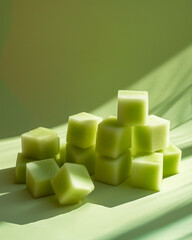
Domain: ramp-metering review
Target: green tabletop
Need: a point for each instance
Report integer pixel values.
(109, 212)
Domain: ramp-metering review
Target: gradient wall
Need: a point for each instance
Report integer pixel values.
(60, 57)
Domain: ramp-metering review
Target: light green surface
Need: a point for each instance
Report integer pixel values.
(72, 183)
(82, 129)
(112, 139)
(147, 171)
(113, 171)
(113, 212)
(153, 136)
(81, 156)
(40, 143)
(39, 175)
(132, 107)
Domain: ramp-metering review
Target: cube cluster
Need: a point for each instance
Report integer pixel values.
(131, 145)
(153, 155)
(41, 165)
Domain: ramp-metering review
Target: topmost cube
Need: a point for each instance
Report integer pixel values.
(132, 107)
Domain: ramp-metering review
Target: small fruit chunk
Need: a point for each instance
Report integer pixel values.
(40, 143)
(113, 139)
(72, 183)
(81, 156)
(113, 171)
(20, 170)
(153, 136)
(147, 171)
(82, 129)
(171, 160)
(39, 175)
(132, 107)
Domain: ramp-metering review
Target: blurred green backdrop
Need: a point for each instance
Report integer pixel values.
(60, 57)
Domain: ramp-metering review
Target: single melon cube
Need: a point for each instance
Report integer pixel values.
(171, 160)
(112, 139)
(40, 143)
(82, 129)
(153, 136)
(82, 156)
(20, 170)
(132, 107)
(72, 183)
(60, 158)
(113, 171)
(147, 171)
(39, 175)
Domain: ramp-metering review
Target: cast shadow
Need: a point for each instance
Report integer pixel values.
(186, 152)
(112, 196)
(17, 205)
(20, 208)
(158, 223)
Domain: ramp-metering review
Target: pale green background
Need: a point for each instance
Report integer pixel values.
(61, 57)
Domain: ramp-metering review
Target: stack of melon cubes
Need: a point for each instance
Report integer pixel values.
(131, 145)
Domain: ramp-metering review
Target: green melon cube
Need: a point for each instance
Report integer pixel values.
(147, 171)
(39, 175)
(81, 156)
(153, 136)
(82, 129)
(72, 183)
(20, 170)
(60, 158)
(113, 139)
(40, 143)
(132, 107)
(171, 160)
(113, 171)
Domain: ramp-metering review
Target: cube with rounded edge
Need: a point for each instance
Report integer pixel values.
(40, 143)
(113, 171)
(81, 156)
(39, 175)
(72, 183)
(171, 160)
(147, 171)
(60, 158)
(82, 129)
(20, 169)
(153, 136)
(112, 138)
(132, 107)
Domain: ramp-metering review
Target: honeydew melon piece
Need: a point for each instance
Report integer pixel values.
(20, 169)
(153, 136)
(39, 175)
(171, 160)
(60, 158)
(147, 171)
(72, 183)
(40, 143)
(113, 171)
(112, 138)
(82, 129)
(81, 156)
(132, 107)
